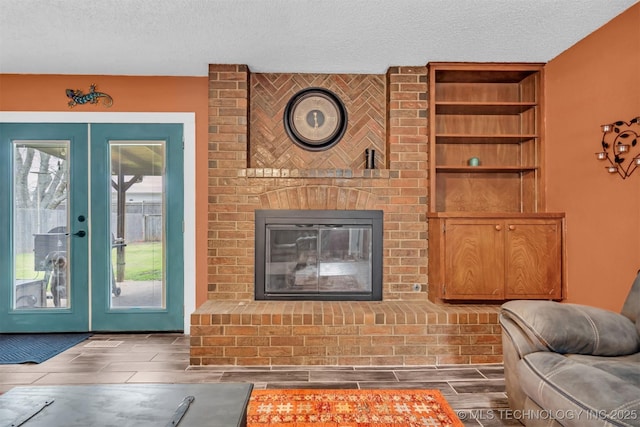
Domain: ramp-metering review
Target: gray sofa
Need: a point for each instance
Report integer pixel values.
(572, 365)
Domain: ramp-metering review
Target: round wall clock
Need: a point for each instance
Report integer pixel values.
(315, 119)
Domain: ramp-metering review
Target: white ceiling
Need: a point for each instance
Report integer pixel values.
(181, 37)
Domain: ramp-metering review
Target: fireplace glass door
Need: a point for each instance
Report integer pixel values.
(313, 259)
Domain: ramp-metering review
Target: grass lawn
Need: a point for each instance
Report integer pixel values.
(143, 262)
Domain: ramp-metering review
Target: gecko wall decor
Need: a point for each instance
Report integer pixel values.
(93, 97)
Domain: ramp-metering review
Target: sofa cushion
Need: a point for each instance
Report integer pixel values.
(572, 328)
(623, 367)
(583, 394)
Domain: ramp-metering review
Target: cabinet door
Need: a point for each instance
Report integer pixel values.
(474, 259)
(534, 259)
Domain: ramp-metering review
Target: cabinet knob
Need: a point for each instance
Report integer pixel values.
(512, 227)
(498, 227)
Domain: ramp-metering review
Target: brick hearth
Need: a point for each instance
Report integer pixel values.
(344, 333)
(253, 165)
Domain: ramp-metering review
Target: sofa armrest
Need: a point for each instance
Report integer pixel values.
(572, 328)
(515, 345)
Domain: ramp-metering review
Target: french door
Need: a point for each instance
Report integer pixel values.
(94, 227)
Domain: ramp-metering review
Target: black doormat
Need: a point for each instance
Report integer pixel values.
(36, 348)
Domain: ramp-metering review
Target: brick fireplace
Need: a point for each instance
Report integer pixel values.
(253, 165)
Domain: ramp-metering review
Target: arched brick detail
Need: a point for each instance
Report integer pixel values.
(319, 197)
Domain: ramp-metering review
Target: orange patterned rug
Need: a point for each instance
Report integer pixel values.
(350, 408)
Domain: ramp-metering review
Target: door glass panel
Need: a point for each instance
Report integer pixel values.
(137, 223)
(40, 220)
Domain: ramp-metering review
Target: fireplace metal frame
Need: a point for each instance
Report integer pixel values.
(319, 217)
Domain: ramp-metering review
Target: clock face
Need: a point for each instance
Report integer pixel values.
(315, 119)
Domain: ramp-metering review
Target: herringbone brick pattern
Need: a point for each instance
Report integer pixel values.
(364, 98)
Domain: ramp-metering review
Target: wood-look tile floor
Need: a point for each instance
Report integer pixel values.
(475, 392)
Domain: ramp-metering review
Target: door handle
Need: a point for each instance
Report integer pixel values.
(80, 233)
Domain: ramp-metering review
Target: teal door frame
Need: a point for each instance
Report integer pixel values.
(104, 317)
(75, 318)
(188, 122)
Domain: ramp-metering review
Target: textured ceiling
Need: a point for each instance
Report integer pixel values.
(180, 37)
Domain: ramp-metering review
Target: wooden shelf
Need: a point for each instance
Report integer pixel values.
(502, 215)
(485, 169)
(483, 108)
(473, 73)
(483, 139)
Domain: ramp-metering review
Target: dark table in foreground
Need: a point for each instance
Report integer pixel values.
(122, 405)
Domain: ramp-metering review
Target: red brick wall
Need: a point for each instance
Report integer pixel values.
(235, 191)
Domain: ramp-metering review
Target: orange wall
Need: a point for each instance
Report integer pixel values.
(593, 83)
(130, 94)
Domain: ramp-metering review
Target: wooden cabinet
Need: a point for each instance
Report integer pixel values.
(489, 235)
(510, 256)
(493, 113)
